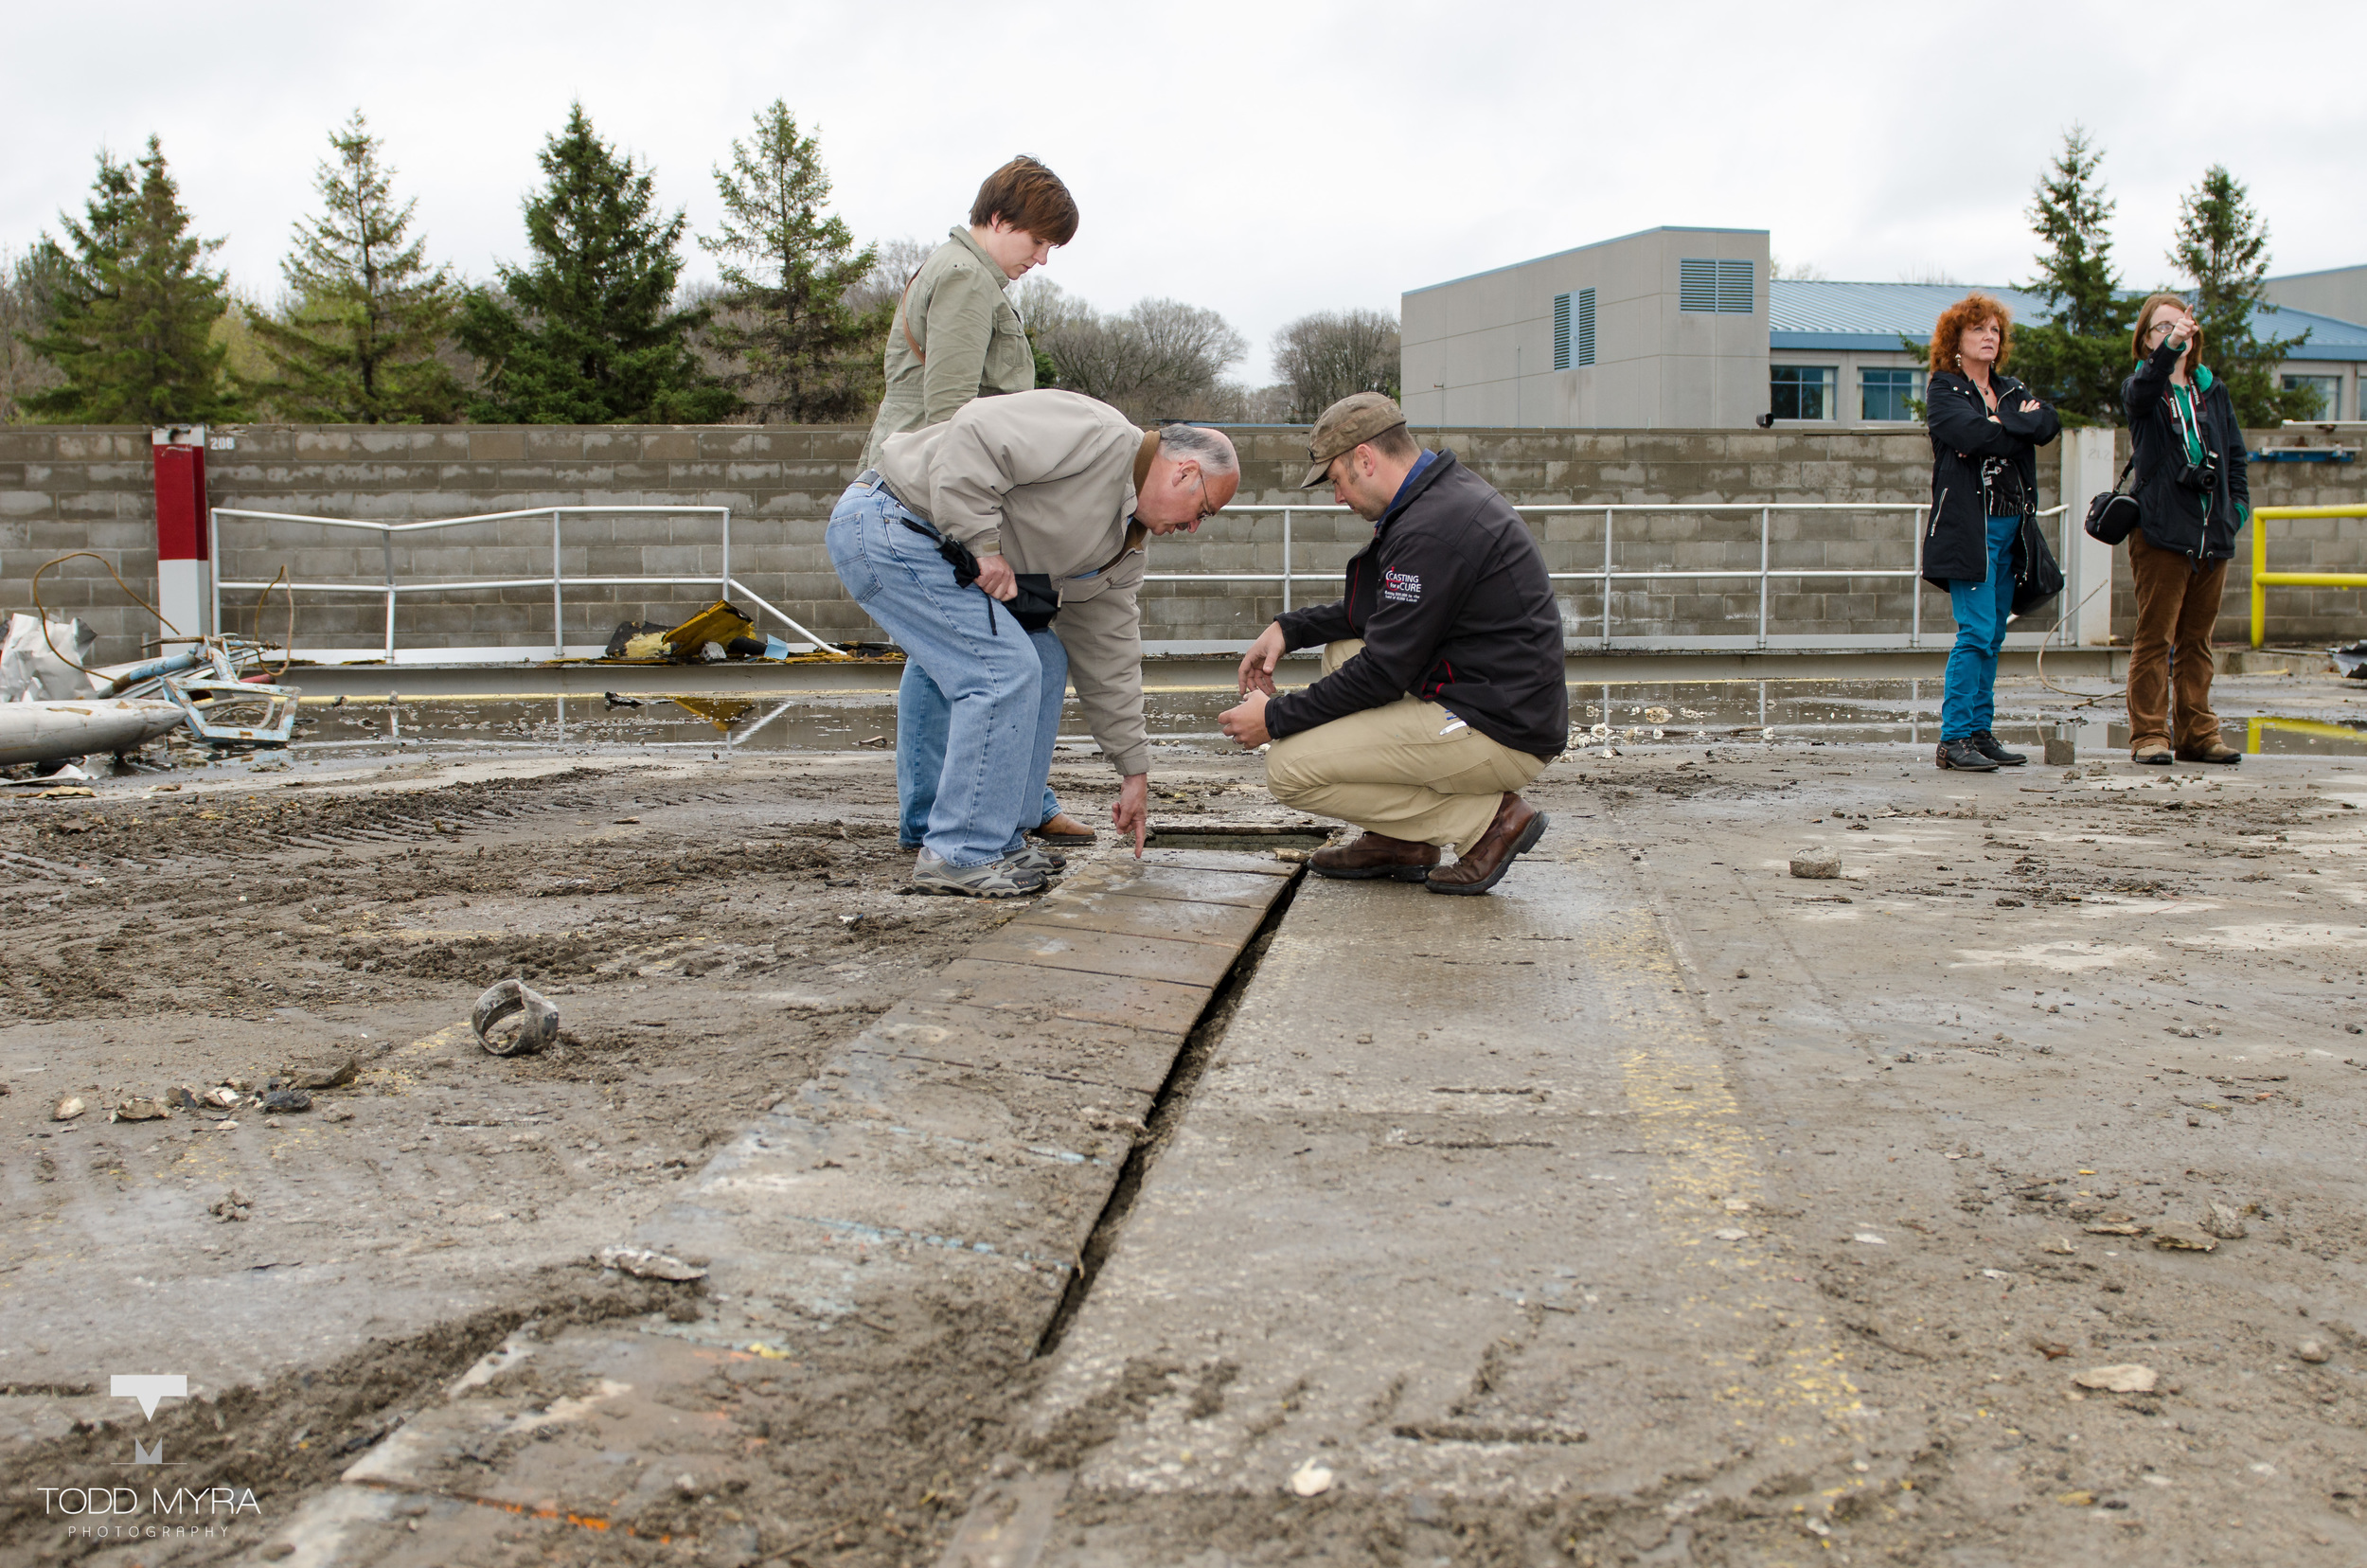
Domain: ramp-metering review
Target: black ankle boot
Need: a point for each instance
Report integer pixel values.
(1963, 753)
(1986, 743)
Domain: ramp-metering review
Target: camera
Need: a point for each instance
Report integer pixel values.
(2201, 476)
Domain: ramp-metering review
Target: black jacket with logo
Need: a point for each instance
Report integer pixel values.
(1453, 604)
(1956, 542)
(2173, 516)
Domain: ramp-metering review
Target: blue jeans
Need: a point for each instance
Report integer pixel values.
(922, 714)
(991, 674)
(1969, 705)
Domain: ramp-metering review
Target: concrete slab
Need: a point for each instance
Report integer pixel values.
(1037, 1042)
(1129, 914)
(1162, 1007)
(1092, 951)
(1455, 1217)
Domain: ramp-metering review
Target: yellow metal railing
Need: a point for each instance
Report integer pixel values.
(2254, 728)
(2263, 579)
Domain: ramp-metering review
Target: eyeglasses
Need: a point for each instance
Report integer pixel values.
(1207, 511)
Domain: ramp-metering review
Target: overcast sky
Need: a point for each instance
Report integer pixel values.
(1262, 159)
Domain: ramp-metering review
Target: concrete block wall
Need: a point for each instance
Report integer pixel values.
(63, 489)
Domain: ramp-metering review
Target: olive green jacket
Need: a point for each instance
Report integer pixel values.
(975, 345)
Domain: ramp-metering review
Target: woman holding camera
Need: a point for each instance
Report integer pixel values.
(1986, 432)
(2192, 497)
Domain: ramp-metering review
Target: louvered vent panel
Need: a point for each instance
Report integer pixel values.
(1561, 332)
(1585, 327)
(1734, 287)
(1696, 284)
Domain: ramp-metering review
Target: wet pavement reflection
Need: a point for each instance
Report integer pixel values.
(2315, 719)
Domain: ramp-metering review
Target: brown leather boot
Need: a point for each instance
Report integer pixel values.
(1375, 855)
(1062, 830)
(1514, 833)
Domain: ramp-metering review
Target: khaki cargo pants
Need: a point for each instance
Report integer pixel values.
(1410, 770)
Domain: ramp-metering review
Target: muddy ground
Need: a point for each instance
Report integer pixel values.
(2106, 1000)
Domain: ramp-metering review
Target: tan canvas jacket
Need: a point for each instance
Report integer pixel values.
(1048, 480)
(959, 311)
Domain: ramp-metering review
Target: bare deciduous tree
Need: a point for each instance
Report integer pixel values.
(892, 267)
(1160, 359)
(1333, 354)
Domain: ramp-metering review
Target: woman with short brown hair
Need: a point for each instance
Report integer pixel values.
(1986, 432)
(957, 336)
(2192, 498)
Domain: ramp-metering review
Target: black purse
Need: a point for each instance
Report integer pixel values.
(2040, 579)
(2112, 516)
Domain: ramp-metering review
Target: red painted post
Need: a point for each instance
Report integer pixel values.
(184, 573)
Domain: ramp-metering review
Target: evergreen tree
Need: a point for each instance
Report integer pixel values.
(797, 346)
(2076, 360)
(2223, 247)
(358, 346)
(588, 333)
(132, 308)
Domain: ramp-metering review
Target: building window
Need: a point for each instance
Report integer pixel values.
(1890, 394)
(1573, 329)
(1802, 391)
(2329, 390)
(1725, 285)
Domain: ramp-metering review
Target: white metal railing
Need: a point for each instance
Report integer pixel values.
(1764, 573)
(726, 585)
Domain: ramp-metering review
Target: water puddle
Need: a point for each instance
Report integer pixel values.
(1628, 714)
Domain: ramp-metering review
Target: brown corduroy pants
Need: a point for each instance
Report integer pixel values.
(2169, 658)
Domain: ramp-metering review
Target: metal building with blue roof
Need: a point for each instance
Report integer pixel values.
(1682, 328)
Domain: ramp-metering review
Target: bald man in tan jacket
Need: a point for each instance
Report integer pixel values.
(1061, 489)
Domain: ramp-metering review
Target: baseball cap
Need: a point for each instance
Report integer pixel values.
(1346, 425)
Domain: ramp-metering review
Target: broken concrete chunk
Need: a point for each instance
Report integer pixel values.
(141, 1110)
(232, 1204)
(644, 1264)
(2126, 1379)
(1817, 863)
(286, 1100)
(68, 1108)
(334, 1074)
(2313, 1351)
(2179, 1240)
(537, 1029)
(2224, 1221)
(1311, 1479)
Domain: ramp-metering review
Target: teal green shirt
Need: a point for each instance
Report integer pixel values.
(2190, 426)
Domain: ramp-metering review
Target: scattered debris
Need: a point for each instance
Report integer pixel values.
(644, 1264)
(2060, 1246)
(2175, 1240)
(141, 1110)
(1817, 864)
(1869, 1238)
(232, 1204)
(537, 1029)
(2129, 1378)
(1311, 1479)
(2051, 1349)
(67, 1109)
(286, 1100)
(2115, 1224)
(1730, 1234)
(2313, 1351)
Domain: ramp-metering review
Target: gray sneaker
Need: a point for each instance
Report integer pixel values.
(1036, 858)
(1002, 879)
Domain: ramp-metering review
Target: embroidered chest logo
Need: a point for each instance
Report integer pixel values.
(1402, 587)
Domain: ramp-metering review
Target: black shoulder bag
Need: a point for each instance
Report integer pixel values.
(2112, 516)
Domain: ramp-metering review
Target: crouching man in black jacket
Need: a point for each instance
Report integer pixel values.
(1442, 690)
